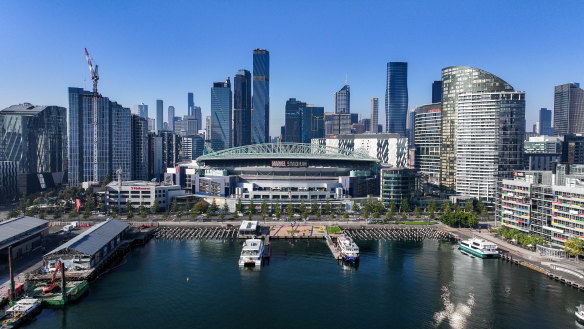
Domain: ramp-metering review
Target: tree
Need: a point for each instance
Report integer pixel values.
(355, 207)
(165, 214)
(179, 214)
(106, 180)
(154, 208)
(404, 216)
(405, 206)
(389, 215)
(114, 213)
(214, 206)
(278, 209)
(102, 208)
(365, 213)
(198, 208)
(469, 206)
(574, 246)
(238, 206)
(392, 206)
(73, 213)
(208, 213)
(368, 207)
(222, 215)
(314, 207)
(318, 213)
(264, 208)
(128, 206)
(12, 214)
(302, 207)
(236, 215)
(290, 210)
(376, 214)
(327, 207)
(481, 209)
(86, 213)
(456, 207)
(431, 209)
(417, 212)
(305, 214)
(174, 206)
(340, 208)
(445, 207)
(57, 213)
(251, 208)
(130, 214)
(225, 208)
(142, 211)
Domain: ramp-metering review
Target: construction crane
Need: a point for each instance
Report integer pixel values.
(94, 78)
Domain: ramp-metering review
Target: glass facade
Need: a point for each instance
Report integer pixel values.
(190, 104)
(456, 80)
(398, 184)
(396, 98)
(159, 115)
(242, 108)
(437, 91)
(139, 148)
(568, 109)
(171, 118)
(221, 99)
(374, 115)
(261, 97)
(545, 122)
(312, 123)
(489, 141)
(343, 100)
(427, 124)
(293, 121)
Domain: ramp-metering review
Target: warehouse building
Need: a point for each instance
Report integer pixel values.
(24, 234)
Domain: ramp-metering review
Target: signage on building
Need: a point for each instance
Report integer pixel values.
(289, 163)
(134, 188)
(433, 110)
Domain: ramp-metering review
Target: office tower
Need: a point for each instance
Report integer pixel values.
(396, 98)
(410, 127)
(343, 100)
(242, 108)
(151, 124)
(190, 104)
(437, 91)
(159, 115)
(457, 80)
(208, 127)
(261, 97)
(293, 121)
(199, 117)
(573, 149)
(192, 147)
(337, 124)
(171, 118)
(34, 140)
(139, 148)
(545, 122)
(374, 114)
(221, 99)
(427, 141)
(141, 110)
(113, 138)
(312, 123)
(490, 130)
(568, 109)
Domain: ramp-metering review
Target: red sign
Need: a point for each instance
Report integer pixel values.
(433, 110)
(140, 188)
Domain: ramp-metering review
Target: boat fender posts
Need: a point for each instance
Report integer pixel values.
(12, 292)
(63, 284)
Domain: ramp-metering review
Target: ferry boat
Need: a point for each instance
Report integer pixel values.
(252, 253)
(479, 248)
(580, 313)
(349, 249)
(22, 311)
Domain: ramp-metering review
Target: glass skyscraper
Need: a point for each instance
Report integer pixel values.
(457, 80)
(190, 104)
(545, 122)
(312, 123)
(171, 118)
(141, 110)
(396, 98)
(437, 91)
(343, 100)
(159, 115)
(293, 121)
(261, 97)
(221, 99)
(427, 141)
(374, 114)
(568, 109)
(194, 111)
(242, 108)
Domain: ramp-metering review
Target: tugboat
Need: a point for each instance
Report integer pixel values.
(22, 311)
(349, 249)
(479, 248)
(580, 313)
(252, 253)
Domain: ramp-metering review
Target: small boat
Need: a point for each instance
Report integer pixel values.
(580, 313)
(22, 311)
(349, 249)
(252, 253)
(479, 248)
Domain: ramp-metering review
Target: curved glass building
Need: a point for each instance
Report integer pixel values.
(457, 80)
(396, 98)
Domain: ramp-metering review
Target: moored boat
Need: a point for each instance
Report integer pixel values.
(479, 248)
(252, 253)
(580, 313)
(348, 248)
(22, 311)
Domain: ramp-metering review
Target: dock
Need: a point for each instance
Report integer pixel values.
(329, 242)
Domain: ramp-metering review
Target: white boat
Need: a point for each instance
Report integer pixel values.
(252, 253)
(480, 248)
(22, 311)
(580, 313)
(349, 249)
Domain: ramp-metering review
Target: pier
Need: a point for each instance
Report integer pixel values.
(329, 242)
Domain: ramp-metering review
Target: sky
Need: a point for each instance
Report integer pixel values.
(148, 50)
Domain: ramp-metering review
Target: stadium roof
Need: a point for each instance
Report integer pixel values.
(287, 151)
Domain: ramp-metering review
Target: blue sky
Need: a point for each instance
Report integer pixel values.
(148, 50)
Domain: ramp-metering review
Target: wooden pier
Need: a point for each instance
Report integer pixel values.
(329, 242)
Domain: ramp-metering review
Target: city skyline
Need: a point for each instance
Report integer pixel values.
(171, 69)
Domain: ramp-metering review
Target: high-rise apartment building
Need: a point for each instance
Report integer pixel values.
(113, 132)
(221, 102)
(437, 91)
(151, 124)
(261, 97)
(171, 118)
(141, 110)
(192, 147)
(457, 80)
(242, 108)
(337, 124)
(545, 122)
(427, 123)
(374, 114)
(343, 100)
(396, 98)
(568, 109)
(159, 115)
(490, 131)
(33, 139)
(139, 151)
(293, 121)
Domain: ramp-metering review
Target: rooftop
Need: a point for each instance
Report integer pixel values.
(13, 229)
(24, 109)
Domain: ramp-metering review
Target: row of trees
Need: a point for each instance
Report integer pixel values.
(521, 238)
(459, 219)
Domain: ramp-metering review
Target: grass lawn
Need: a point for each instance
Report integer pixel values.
(416, 223)
(292, 231)
(333, 229)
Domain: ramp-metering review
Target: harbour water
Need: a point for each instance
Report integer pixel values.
(398, 284)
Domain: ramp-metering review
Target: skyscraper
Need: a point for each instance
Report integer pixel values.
(396, 98)
(199, 117)
(221, 99)
(293, 121)
(490, 131)
(139, 148)
(141, 110)
(568, 109)
(159, 115)
(545, 122)
(261, 97)
(374, 114)
(242, 108)
(171, 118)
(343, 100)
(34, 138)
(457, 80)
(312, 123)
(427, 141)
(437, 91)
(190, 104)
